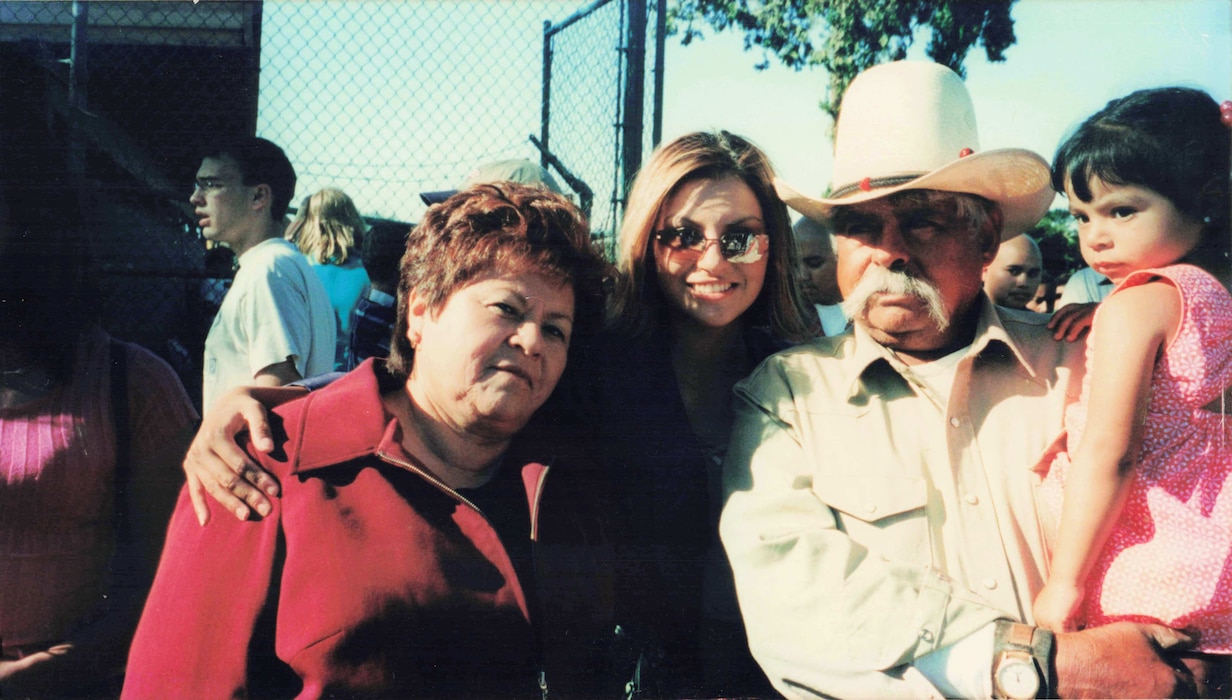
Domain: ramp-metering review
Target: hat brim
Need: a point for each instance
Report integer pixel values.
(1017, 179)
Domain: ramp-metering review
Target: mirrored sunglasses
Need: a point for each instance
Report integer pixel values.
(731, 244)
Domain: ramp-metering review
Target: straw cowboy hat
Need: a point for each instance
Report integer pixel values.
(910, 125)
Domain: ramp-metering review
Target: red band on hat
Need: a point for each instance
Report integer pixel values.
(866, 184)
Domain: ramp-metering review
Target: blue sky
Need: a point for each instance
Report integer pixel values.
(388, 99)
(1072, 56)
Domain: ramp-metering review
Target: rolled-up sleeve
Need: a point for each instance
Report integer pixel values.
(830, 543)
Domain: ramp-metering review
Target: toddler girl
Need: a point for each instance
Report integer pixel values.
(1146, 523)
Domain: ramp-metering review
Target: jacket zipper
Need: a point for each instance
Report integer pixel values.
(431, 479)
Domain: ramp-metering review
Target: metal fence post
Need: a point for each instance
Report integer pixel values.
(660, 39)
(252, 71)
(78, 80)
(545, 118)
(634, 105)
(78, 66)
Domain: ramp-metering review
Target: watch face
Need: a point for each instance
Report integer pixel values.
(1018, 679)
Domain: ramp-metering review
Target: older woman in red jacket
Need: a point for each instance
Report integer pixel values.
(420, 548)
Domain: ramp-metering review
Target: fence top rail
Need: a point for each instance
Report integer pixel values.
(553, 29)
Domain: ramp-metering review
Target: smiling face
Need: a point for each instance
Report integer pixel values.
(1013, 277)
(1125, 228)
(492, 354)
(899, 243)
(705, 288)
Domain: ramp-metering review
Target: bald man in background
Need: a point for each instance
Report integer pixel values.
(1013, 277)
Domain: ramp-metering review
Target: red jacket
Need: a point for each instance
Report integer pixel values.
(372, 578)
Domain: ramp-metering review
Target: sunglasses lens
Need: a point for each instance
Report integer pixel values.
(731, 244)
(688, 238)
(735, 243)
(677, 238)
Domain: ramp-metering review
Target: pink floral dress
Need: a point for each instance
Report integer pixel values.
(1169, 558)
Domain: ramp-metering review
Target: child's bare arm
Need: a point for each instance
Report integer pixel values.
(1133, 327)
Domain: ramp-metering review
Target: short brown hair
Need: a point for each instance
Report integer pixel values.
(261, 162)
(637, 300)
(501, 228)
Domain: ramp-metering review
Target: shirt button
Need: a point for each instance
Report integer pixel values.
(870, 508)
(973, 499)
(990, 583)
(955, 422)
(926, 635)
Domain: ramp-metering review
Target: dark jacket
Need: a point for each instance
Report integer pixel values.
(674, 585)
(371, 578)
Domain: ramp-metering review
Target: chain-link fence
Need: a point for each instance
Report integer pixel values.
(599, 106)
(383, 99)
(389, 99)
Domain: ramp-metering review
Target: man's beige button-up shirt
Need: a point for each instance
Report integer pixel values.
(870, 522)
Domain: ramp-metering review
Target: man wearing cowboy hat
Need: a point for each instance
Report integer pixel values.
(880, 517)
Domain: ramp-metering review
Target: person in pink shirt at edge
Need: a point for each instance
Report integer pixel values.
(91, 431)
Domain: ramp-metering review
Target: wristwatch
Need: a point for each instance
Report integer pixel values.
(1021, 658)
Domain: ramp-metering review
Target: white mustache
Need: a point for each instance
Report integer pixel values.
(879, 280)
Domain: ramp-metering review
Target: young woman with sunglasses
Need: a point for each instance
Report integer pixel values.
(706, 289)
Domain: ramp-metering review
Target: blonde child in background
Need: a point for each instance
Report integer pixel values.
(328, 230)
(1146, 523)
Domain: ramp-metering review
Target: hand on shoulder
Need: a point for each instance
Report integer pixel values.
(216, 466)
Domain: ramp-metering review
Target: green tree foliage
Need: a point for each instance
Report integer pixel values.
(846, 36)
(1057, 236)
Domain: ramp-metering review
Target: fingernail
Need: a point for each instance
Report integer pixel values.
(242, 513)
(263, 509)
(271, 491)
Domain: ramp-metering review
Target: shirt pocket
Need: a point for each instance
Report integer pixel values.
(884, 514)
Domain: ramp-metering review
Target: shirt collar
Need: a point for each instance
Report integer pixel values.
(273, 241)
(347, 420)
(989, 333)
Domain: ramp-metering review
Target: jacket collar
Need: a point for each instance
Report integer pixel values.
(345, 421)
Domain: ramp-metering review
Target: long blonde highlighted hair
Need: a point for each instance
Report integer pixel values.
(327, 227)
(637, 302)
